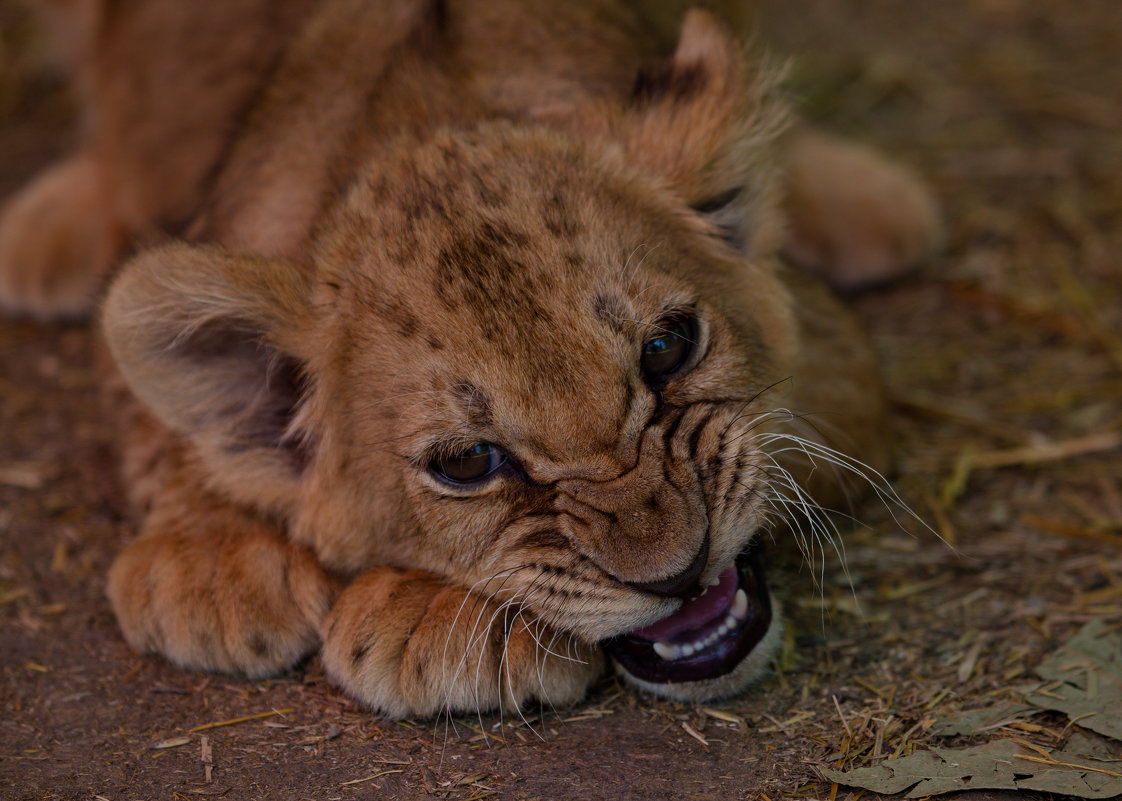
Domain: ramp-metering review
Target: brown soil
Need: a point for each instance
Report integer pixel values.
(1008, 343)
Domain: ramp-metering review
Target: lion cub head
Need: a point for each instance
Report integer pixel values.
(523, 356)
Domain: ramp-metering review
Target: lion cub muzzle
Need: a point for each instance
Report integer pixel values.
(648, 528)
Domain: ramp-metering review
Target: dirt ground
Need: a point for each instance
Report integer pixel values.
(1005, 364)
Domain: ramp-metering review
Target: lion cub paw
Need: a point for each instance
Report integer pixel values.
(240, 602)
(855, 218)
(57, 243)
(406, 643)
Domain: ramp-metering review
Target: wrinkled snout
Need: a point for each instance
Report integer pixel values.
(647, 527)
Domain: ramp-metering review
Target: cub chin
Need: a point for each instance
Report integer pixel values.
(520, 395)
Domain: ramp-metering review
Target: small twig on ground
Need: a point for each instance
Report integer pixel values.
(207, 758)
(1053, 451)
(1069, 530)
(371, 776)
(233, 721)
(694, 733)
(845, 723)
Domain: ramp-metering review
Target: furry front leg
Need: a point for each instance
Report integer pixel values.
(855, 218)
(58, 242)
(220, 591)
(407, 643)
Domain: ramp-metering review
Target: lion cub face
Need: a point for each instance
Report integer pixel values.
(527, 360)
(547, 365)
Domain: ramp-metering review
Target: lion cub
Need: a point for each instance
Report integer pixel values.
(467, 358)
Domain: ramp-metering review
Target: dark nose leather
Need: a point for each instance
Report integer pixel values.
(681, 585)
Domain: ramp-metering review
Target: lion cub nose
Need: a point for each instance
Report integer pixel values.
(681, 585)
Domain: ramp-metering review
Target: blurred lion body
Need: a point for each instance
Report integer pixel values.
(410, 227)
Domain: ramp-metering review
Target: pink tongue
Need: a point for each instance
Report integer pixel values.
(704, 609)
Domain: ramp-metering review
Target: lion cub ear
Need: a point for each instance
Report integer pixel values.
(210, 342)
(706, 122)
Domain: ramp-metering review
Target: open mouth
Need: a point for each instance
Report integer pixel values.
(709, 636)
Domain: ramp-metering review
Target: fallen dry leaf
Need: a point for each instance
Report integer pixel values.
(998, 765)
(1086, 676)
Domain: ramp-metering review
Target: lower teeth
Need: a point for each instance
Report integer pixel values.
(737, 612)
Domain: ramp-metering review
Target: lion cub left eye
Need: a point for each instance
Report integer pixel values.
(470, 465)
(666, 352)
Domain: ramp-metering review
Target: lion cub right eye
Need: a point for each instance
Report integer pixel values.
(469, 466)
(665, 353)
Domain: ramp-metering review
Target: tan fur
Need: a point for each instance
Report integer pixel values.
(410, 227)
(57, 243)
(841, 225)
